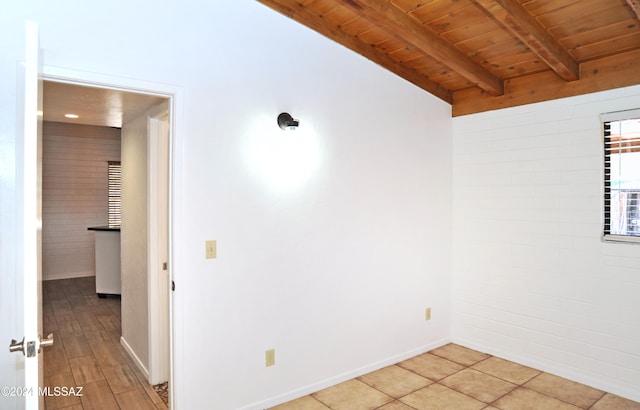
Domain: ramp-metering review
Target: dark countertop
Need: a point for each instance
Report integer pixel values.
(104, 228)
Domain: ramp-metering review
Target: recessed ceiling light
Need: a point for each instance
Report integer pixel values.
(72, 116)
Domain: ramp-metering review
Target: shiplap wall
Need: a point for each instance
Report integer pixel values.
(74, 195)
(532, 279)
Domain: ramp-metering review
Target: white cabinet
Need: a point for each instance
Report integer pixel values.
(107, 260)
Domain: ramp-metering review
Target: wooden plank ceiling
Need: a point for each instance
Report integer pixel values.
(480, 55)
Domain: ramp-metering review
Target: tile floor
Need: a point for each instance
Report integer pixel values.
(87, 351)
(454, 377)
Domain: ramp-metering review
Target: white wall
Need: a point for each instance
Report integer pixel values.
(136, 253)
(133, 237)
(334, 273)
(533, 281)
(74, 195)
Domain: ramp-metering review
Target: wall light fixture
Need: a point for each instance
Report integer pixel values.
(287, 122)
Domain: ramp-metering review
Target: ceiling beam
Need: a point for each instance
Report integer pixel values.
(387, 16)
(520, 22)
(303, 15)
(635, 7)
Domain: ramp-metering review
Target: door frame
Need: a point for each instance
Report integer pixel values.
(174, 95)
(157, 237)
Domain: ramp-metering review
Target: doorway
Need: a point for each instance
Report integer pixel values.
(145, 118)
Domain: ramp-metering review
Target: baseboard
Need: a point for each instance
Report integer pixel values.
(556, 369)
(66, 275)
(134, 357)
(304, 391)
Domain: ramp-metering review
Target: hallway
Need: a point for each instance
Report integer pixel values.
(87, 351)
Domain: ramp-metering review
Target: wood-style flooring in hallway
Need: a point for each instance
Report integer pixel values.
(87, 352)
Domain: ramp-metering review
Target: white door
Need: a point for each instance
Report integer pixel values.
(28, 257)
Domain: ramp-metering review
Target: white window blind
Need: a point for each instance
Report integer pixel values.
(115, 184)
(622, 175)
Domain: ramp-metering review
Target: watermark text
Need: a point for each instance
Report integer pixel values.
(54, 391)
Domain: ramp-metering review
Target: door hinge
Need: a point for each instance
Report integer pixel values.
(164, 265)
(173, 285)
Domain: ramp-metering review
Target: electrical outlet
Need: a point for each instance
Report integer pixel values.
(212, 250)
(270, 357)
(427, 314)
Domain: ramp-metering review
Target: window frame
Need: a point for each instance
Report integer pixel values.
(605, 119)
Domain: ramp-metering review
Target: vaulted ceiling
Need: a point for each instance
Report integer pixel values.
(480, 55)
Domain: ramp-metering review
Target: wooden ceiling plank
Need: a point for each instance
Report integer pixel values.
(538, 7)
(606, 73)
(521, 23)
(590, 21)
(635, 7)
(473, 22)
(579, 14)
(376, 37)
(337, 15)
(404, 54)
(384, 14)
(307, 17)
(603, 48)
(320, 6)
(463, 17)
(409, 5)
(492, 44)
(355, 26)
(606, 33)
(512, 65)
(434, 9)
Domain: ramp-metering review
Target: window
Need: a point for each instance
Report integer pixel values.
(622, 175)
(115, 183)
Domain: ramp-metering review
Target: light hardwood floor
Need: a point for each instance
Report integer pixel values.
(87, 351)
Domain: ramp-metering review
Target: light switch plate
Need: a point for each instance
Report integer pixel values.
(270, 357)
(427, 314)
(212, 251)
